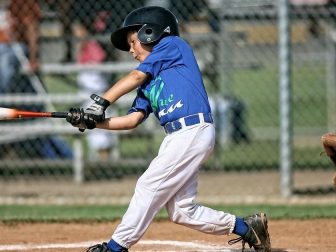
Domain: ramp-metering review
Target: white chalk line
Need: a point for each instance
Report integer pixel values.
(196, 246)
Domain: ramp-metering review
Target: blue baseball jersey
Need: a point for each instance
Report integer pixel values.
(175, 88)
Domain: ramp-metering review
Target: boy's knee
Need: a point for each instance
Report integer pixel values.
(182, 213)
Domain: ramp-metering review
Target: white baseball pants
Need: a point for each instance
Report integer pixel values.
(171, 181)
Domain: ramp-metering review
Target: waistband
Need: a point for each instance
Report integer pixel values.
(183, 122)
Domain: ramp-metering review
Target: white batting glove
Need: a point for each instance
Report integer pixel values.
(97, 109)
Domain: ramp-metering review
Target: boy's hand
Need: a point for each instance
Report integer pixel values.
(97, 109)
(81, 120)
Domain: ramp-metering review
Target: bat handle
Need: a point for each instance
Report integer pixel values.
(59, 114)
(62, 115)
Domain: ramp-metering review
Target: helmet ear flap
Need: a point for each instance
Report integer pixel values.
(150, 33)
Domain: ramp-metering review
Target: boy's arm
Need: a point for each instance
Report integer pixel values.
(78, 118)
(129, 121)
(125, 85)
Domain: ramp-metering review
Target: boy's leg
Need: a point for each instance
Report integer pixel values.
(183, 210)
(179, 158)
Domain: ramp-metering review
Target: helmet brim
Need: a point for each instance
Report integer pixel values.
(119, 37)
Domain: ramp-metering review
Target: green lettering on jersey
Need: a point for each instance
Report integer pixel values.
(154, 92)
(165, 102)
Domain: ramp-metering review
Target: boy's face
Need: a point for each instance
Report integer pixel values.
(139, 51)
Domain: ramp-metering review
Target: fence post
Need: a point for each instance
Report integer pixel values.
(78, 162)
(285, 99)
(331, 78)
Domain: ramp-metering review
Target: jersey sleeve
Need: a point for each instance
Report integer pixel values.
(142, 104)
(163, 56)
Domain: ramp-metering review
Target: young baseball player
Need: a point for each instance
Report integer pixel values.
(169, 85)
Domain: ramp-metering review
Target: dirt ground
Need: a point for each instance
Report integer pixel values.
(286, 235)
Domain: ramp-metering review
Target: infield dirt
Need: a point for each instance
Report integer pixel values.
(286, 235)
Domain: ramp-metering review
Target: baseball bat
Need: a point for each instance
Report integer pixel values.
(10, 113)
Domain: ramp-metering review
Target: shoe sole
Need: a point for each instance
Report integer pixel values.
(265, 225)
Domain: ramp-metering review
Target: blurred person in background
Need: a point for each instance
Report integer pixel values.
(69, 11)
(94, 18)
(19, 29)
(90, 81)
(19, 65)
(6, 54)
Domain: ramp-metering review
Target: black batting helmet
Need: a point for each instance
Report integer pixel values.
(153, 23)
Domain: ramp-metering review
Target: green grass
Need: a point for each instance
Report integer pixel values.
(259, 89)
(59, 213)
(68, 213)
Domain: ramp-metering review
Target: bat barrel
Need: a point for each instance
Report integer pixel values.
(8, 113)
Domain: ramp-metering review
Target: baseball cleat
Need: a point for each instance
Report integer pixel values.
(257, 235)
(101, 248)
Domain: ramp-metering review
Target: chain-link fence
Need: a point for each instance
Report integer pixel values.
(47, 64)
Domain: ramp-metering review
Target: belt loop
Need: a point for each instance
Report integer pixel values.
(201, 117)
